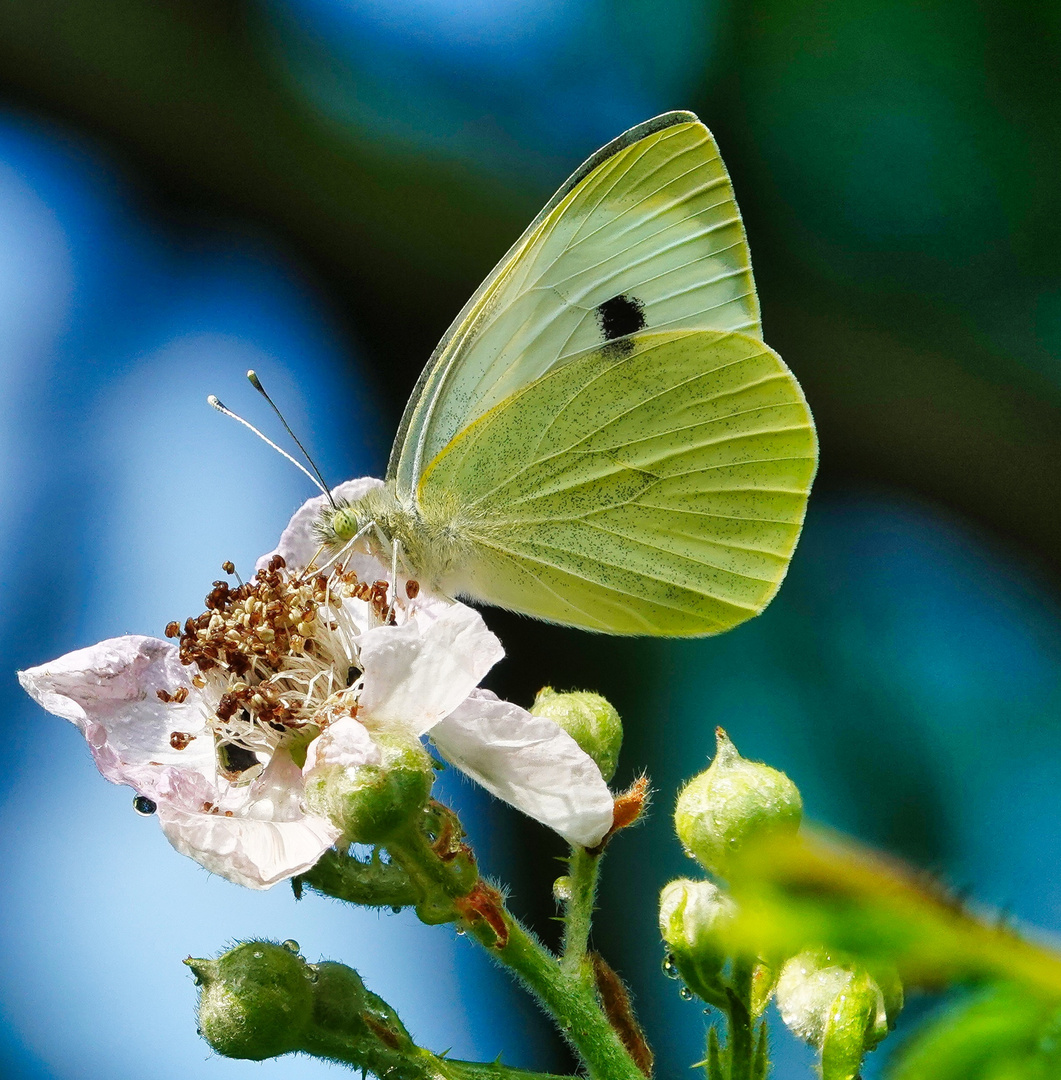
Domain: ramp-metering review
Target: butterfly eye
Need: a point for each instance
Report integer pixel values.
(144, 806)
(343, 523)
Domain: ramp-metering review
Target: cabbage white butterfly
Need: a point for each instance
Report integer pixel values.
(602, 439)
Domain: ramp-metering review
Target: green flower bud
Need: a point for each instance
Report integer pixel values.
(693, 916)
(261, 1000)
(371, 803)
(837, 1006)
(256, 1001)
(589, 719)
(732, 802)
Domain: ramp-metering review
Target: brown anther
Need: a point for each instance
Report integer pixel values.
(296, 643)
(228, 566)
(226, 707)
(305, 629)
(412, 588)
(276, 563)
(198, 681)
(164, 695)
(179, 739)
(207, 808)
(173, 629)
(180, 695)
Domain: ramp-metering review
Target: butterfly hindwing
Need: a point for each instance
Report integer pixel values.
(646, 236)
(653, 488)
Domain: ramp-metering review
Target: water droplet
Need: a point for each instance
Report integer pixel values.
(460, 931)
(395, 909)
(258, 954)
(670, 968)
(199, 1031)
(313, 973)
(685, 994)
(144, 806)
(291, 945)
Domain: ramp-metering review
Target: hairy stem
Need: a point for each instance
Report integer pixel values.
(740, 1045)
(568, 998)
(578, 914)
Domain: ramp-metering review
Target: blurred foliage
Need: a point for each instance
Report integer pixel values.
(818, 891)
(998, 1034)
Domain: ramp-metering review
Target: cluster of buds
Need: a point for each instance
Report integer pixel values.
(720, 816)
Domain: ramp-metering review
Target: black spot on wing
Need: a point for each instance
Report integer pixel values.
(621, 315)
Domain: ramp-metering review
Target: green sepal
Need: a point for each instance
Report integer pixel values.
(850, 1029)
(371, 803)
(761, 1061)
(714, 1055)
(371, 883)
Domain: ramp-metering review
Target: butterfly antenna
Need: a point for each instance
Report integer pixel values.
(257, 384)
(214, 403)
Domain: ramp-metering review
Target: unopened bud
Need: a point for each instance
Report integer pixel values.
(371, 802)
(255, 1001)
(732, 802)
(261, 1000)
(838, 1007)
(693, 917)
(589, 719)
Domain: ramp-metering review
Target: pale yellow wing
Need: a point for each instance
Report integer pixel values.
(653, 488)
(644, 236)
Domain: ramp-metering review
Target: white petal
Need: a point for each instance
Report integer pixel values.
(299, 542)
(419, 672)
(345, 742)
(108, 691)
(529, 762)
(247, 851)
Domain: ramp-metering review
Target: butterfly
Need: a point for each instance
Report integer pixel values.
(602, 439)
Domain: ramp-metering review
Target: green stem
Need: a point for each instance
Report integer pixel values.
(740, 1045)
(567, 997)
(578, 914)
(492, 1070)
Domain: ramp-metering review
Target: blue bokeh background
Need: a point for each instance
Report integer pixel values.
(909, 675)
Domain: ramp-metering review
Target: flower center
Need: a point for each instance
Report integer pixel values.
(276, 660)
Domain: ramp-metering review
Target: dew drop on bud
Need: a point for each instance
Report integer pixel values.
(144, 806)
(258, 954)
(395, 909)
(670, 968)
(685, 994)
(460, 931)
(312, 972)
(291, 945)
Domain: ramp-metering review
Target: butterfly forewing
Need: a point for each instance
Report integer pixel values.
(646, 236)
(655, 488)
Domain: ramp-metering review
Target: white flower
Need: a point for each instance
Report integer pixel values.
(214, 733)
